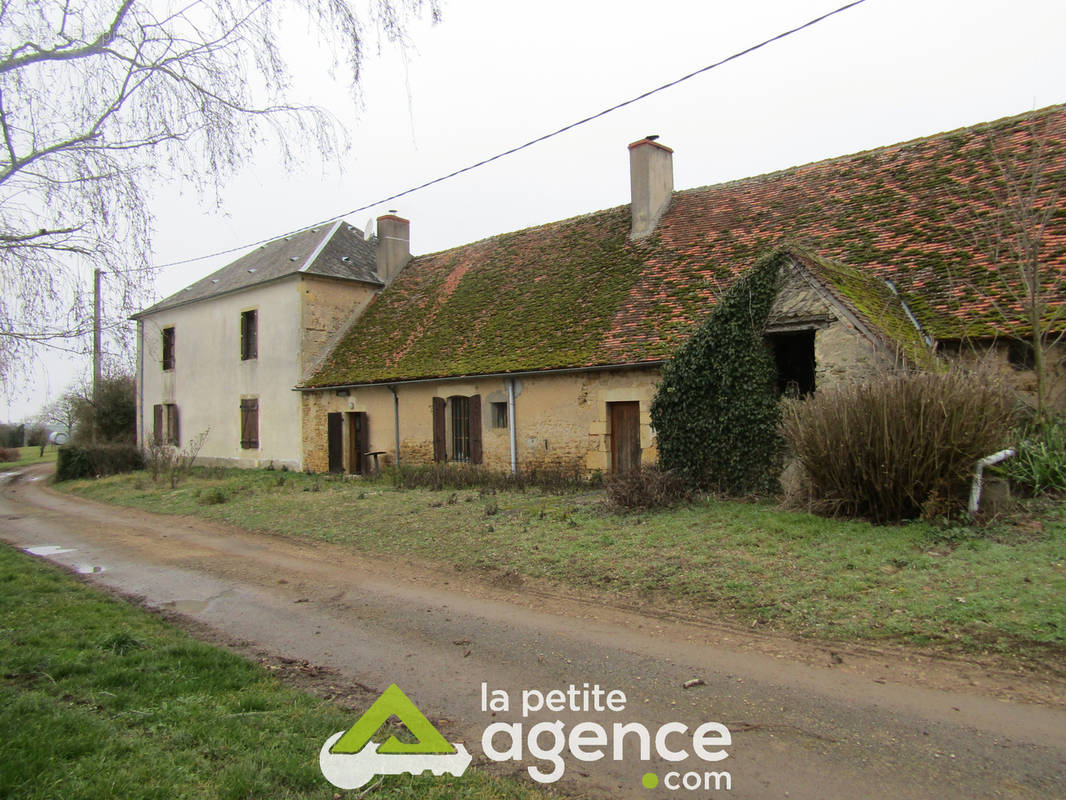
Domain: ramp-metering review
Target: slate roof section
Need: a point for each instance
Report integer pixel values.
(577, 293)
(336, 250)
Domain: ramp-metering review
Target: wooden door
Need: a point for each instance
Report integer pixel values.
(625, 436)
(335, 441)
(358, 442)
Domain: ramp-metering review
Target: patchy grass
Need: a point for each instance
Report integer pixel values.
(998, 589)
(99, 699)
(31, 455)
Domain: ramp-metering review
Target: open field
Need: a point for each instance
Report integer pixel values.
(1000, 589)
(31, 455)
(99, 699)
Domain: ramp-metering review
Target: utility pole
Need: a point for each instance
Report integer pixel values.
(97, 371)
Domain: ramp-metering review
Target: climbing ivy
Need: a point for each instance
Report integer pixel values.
(716, 411)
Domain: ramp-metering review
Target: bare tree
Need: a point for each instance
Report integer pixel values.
(100, 97)
(1016, 220)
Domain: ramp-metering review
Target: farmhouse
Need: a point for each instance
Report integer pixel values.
(542, 347)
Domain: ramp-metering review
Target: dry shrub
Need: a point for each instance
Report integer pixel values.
(645, 488)
(9, 454)
(890, 449)
(552, 479)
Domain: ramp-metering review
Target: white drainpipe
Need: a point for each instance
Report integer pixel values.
(510, 424)
(978, 478)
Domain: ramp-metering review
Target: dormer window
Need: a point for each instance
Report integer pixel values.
(249, 335)
(168, 348)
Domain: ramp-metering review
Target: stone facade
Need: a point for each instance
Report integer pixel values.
(561, 420)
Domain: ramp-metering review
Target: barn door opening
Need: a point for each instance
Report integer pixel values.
(335, 441)
(358, 441)
(625, 436)
(794, 354)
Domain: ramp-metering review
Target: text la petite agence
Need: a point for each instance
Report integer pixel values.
(589, 741)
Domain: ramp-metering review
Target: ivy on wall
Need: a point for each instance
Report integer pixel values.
(716, 411)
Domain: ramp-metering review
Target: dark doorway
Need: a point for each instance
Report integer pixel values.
(794, 354)
(358, 441)
(625, 436)
(335, 441)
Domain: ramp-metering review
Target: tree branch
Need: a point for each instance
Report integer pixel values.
(14, 62)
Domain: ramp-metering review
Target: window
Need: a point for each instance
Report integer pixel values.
(249, 335)
(794, 354)
(168, 348)
(165, 424)
(499, 415)
(460, 410)
(457, 429)
(250, 423)
(1020, 354)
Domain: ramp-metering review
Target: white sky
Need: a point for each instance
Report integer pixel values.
(495, 74)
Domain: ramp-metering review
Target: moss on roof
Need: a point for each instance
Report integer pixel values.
(576, 293)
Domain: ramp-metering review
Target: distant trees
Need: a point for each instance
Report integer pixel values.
(111, 418)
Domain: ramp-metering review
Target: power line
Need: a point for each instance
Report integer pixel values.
(520, 147)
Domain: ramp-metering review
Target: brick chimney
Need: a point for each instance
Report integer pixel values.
(394, 246)
(651, 183)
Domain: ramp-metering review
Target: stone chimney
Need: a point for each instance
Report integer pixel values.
(651, 183)
(394, 246)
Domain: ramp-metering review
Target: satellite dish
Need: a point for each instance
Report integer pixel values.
(368, 229)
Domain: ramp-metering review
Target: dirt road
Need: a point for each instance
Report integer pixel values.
(805, 722)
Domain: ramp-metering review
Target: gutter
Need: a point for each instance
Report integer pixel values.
(910, 314)
(511, 425)
(485, 375)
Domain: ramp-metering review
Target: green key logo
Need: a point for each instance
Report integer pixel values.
(349, 759)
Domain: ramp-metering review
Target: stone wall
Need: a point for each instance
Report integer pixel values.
(561, 420)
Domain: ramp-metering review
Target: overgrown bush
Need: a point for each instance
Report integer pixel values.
(471, 476)
(901, 445)
(716, 412)
(1039, 465)
(644, 488)
(10, 454)
(91, 461)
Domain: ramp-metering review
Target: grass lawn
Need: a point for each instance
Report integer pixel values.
(1000, 589)
(102, 700)
(31, 455)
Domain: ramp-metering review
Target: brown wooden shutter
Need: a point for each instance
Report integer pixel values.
(173, 429)
(440, 452)
(157, 424)
(250, 423)
(475, 429)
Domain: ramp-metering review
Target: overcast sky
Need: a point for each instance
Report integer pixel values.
(494, 74)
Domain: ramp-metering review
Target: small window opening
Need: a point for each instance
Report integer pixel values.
(794, 355)
(1020, 354)
(460, 408)
(499, 415)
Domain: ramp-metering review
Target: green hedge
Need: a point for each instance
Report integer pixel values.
(94, 461)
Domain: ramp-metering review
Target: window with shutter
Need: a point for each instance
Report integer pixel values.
(439, 446)
(249, 335)
(250, 423)
(173, 430)
(157, 424)
(168, 348)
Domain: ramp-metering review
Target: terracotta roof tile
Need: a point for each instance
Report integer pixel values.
(578, 293)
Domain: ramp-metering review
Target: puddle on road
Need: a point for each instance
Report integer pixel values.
(48, 550)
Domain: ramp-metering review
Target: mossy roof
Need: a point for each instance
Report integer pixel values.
(578, 293)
